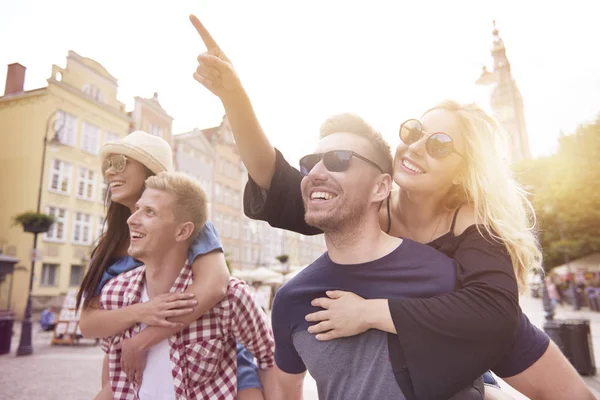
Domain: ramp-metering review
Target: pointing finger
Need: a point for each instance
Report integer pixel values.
(208, 40)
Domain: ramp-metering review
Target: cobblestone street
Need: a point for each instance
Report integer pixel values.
(73, 372)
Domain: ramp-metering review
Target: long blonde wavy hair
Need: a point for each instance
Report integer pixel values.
(500, 203)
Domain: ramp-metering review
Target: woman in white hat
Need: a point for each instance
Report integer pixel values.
(126, 164)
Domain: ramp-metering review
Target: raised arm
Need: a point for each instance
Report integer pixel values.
(215, 71)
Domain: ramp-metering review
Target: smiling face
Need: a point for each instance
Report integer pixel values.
(415, 170)
(334, 201)
(153, 225)
(125, 187)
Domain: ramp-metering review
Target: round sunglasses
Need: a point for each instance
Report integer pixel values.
(117, 161)
(439, 145)
(334, 161)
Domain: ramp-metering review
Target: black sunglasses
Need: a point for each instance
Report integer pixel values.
(439, 145)
(334, 161)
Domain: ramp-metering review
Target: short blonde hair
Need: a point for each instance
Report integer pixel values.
(190, 199)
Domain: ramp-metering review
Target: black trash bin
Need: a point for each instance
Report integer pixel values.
(7, 318)
(574, 338)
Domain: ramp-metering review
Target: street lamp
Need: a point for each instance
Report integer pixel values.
(25, 347)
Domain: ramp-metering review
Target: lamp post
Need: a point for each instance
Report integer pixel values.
(25, 347)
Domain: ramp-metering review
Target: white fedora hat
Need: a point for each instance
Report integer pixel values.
(153, 152)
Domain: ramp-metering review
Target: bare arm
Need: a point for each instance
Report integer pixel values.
(215, 71)
(105, 370)
(281, 385)
(96, 322)
(347, 314)
(551, 377)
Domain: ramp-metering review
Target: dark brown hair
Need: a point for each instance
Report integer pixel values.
(109, 243)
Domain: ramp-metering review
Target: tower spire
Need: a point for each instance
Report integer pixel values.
(506, 100)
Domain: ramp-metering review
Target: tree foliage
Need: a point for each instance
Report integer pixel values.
(565, 191)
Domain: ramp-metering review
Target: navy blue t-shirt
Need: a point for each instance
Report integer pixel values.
(412, 270)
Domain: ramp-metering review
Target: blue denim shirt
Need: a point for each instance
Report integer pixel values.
(206, 242)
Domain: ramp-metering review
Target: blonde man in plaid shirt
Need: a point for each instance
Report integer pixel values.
(200, 361)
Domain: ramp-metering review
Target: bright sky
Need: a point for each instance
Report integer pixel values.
(302, 61)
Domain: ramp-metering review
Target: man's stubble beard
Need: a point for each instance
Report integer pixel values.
(342, 220)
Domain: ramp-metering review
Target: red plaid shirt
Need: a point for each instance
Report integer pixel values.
(203, 355)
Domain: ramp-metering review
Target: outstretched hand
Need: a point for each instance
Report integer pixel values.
(215, 71)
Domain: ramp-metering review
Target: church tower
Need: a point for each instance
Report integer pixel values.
(506, 100)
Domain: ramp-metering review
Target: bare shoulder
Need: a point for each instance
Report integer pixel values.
(465, 218)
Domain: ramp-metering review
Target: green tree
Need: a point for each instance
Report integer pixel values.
(566, 195)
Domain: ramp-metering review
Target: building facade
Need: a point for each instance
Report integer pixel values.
(79, 105)
(227, 211)
(149, 116)
(195, 156)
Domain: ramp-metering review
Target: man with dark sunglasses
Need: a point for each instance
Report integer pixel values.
(346, 180)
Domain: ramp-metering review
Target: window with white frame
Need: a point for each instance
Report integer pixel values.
(49, 274)
(156, 130)
(110, 137)
(76, 275)
(246, 230)
(226, 196)
(206, 188)
(227, 227)
(236, 199)
(60, 176)
(86, 184)
(90, 138)
(217, 221)
(94, 92)
(217, 192)
(82, 228)
(101, 228)
(235, 227)
(102, 191)
(57, 231)
(65, 125)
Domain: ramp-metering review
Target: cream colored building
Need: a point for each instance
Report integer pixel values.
(226, 199)
(149, 116)
(80, 103)
(195, 156)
